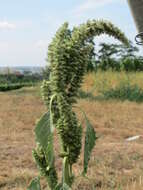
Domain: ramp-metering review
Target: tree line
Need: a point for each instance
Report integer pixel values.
(116, 57)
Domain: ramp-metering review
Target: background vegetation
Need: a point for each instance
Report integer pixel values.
(116, 57)
(12, 81)
(115, 85)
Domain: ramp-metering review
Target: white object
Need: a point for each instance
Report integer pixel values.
(133, 138)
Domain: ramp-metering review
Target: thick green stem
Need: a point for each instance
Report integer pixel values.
(67, 172)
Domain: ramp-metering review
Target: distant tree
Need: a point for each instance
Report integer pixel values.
(128, 52)
(27, 72)
(118, 56)
(106, 51)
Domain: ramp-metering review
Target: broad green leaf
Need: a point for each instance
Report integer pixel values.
(90, 138)
(44, 136)
(42, 130)
(35, 184)
(49, 153)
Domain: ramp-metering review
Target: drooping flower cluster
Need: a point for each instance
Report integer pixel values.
(69, 54)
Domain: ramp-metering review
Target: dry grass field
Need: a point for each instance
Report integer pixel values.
(115, 163)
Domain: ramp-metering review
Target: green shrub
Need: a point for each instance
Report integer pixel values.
(8, 87)
(124, 92)
(13, 78)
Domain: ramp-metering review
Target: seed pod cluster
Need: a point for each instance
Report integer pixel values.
(69, 54)
(40, 160)
(46, 92)
(69, 130)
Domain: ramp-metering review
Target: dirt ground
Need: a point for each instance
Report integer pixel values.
(115, 163)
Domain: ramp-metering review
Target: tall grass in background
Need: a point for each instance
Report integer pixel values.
(113, 85)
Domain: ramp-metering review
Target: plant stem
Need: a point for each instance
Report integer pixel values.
(67, 173)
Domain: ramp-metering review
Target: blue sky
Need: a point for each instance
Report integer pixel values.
(27, 26)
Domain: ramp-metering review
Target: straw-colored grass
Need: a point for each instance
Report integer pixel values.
(115, 163)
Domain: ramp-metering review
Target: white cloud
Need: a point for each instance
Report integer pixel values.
(7, 25)
(89, 5)
(42, 44)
